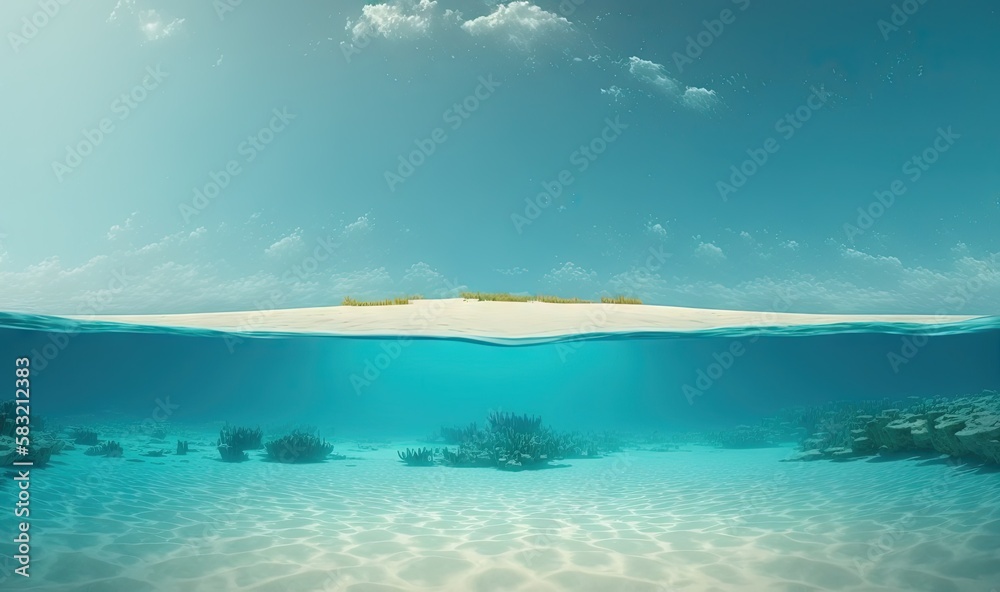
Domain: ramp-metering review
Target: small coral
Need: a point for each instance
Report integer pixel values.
(421, 457)
(298, 447)
(232, 454)
(109, 449)
(84, 437)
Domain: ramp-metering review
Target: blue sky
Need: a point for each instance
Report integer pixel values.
(196, 156)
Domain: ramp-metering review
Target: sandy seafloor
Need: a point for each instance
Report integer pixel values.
(697, 519)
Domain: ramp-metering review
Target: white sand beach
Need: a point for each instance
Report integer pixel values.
(457, 317)
(640, 521)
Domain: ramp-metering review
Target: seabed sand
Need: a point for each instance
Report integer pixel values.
(456, 317)
(640, 521)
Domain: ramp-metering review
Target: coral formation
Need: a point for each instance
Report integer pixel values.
(84, 437)
(232, 453)
(514, 442)
(8, 418)
(959, 427)
(417, 458)
(298, 447)
(458, 435)
(109, 449)
(234, 442)
(182, 447)
(521, 424)
(40, 451)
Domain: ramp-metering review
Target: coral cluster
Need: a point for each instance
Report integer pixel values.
(234, 442)
(298, 447)
(84, 437)
(458, 435)
(40, 451)
(961, 427)
(182, 447)
(508, 421)
(511, 442)
(110, 449)
(7, 410)
(417, 458)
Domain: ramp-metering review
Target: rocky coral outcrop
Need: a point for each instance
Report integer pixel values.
(959, 427)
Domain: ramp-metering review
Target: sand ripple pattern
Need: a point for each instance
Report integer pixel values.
(636, 522)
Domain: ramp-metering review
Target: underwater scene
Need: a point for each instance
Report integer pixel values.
(500, 296)
(179, 460)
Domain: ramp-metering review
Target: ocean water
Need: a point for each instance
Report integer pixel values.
(664, 508)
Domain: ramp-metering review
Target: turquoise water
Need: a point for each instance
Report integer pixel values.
(665, 510)
(408, 386)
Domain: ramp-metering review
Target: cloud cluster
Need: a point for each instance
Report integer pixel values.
(519, 20)
(396, 20)
(286, 245)
(151, 22)
(655, 75)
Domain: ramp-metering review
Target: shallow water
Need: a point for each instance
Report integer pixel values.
(661, 514)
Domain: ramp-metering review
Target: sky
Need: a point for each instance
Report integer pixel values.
(197, 156)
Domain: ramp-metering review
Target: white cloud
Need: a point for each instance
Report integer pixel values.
(519, 21)
(286, 245)
(613, 91)
(710, 252)
(420, 278)
(153, 24)
(656, 75)
(172, 240)
(653, 74)
(157, 27)
(116, 230)
(396, 20)
(701, 99)
(791, 245)
(571, 273)
(512, 271)
(359, 226)
(656, 229)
